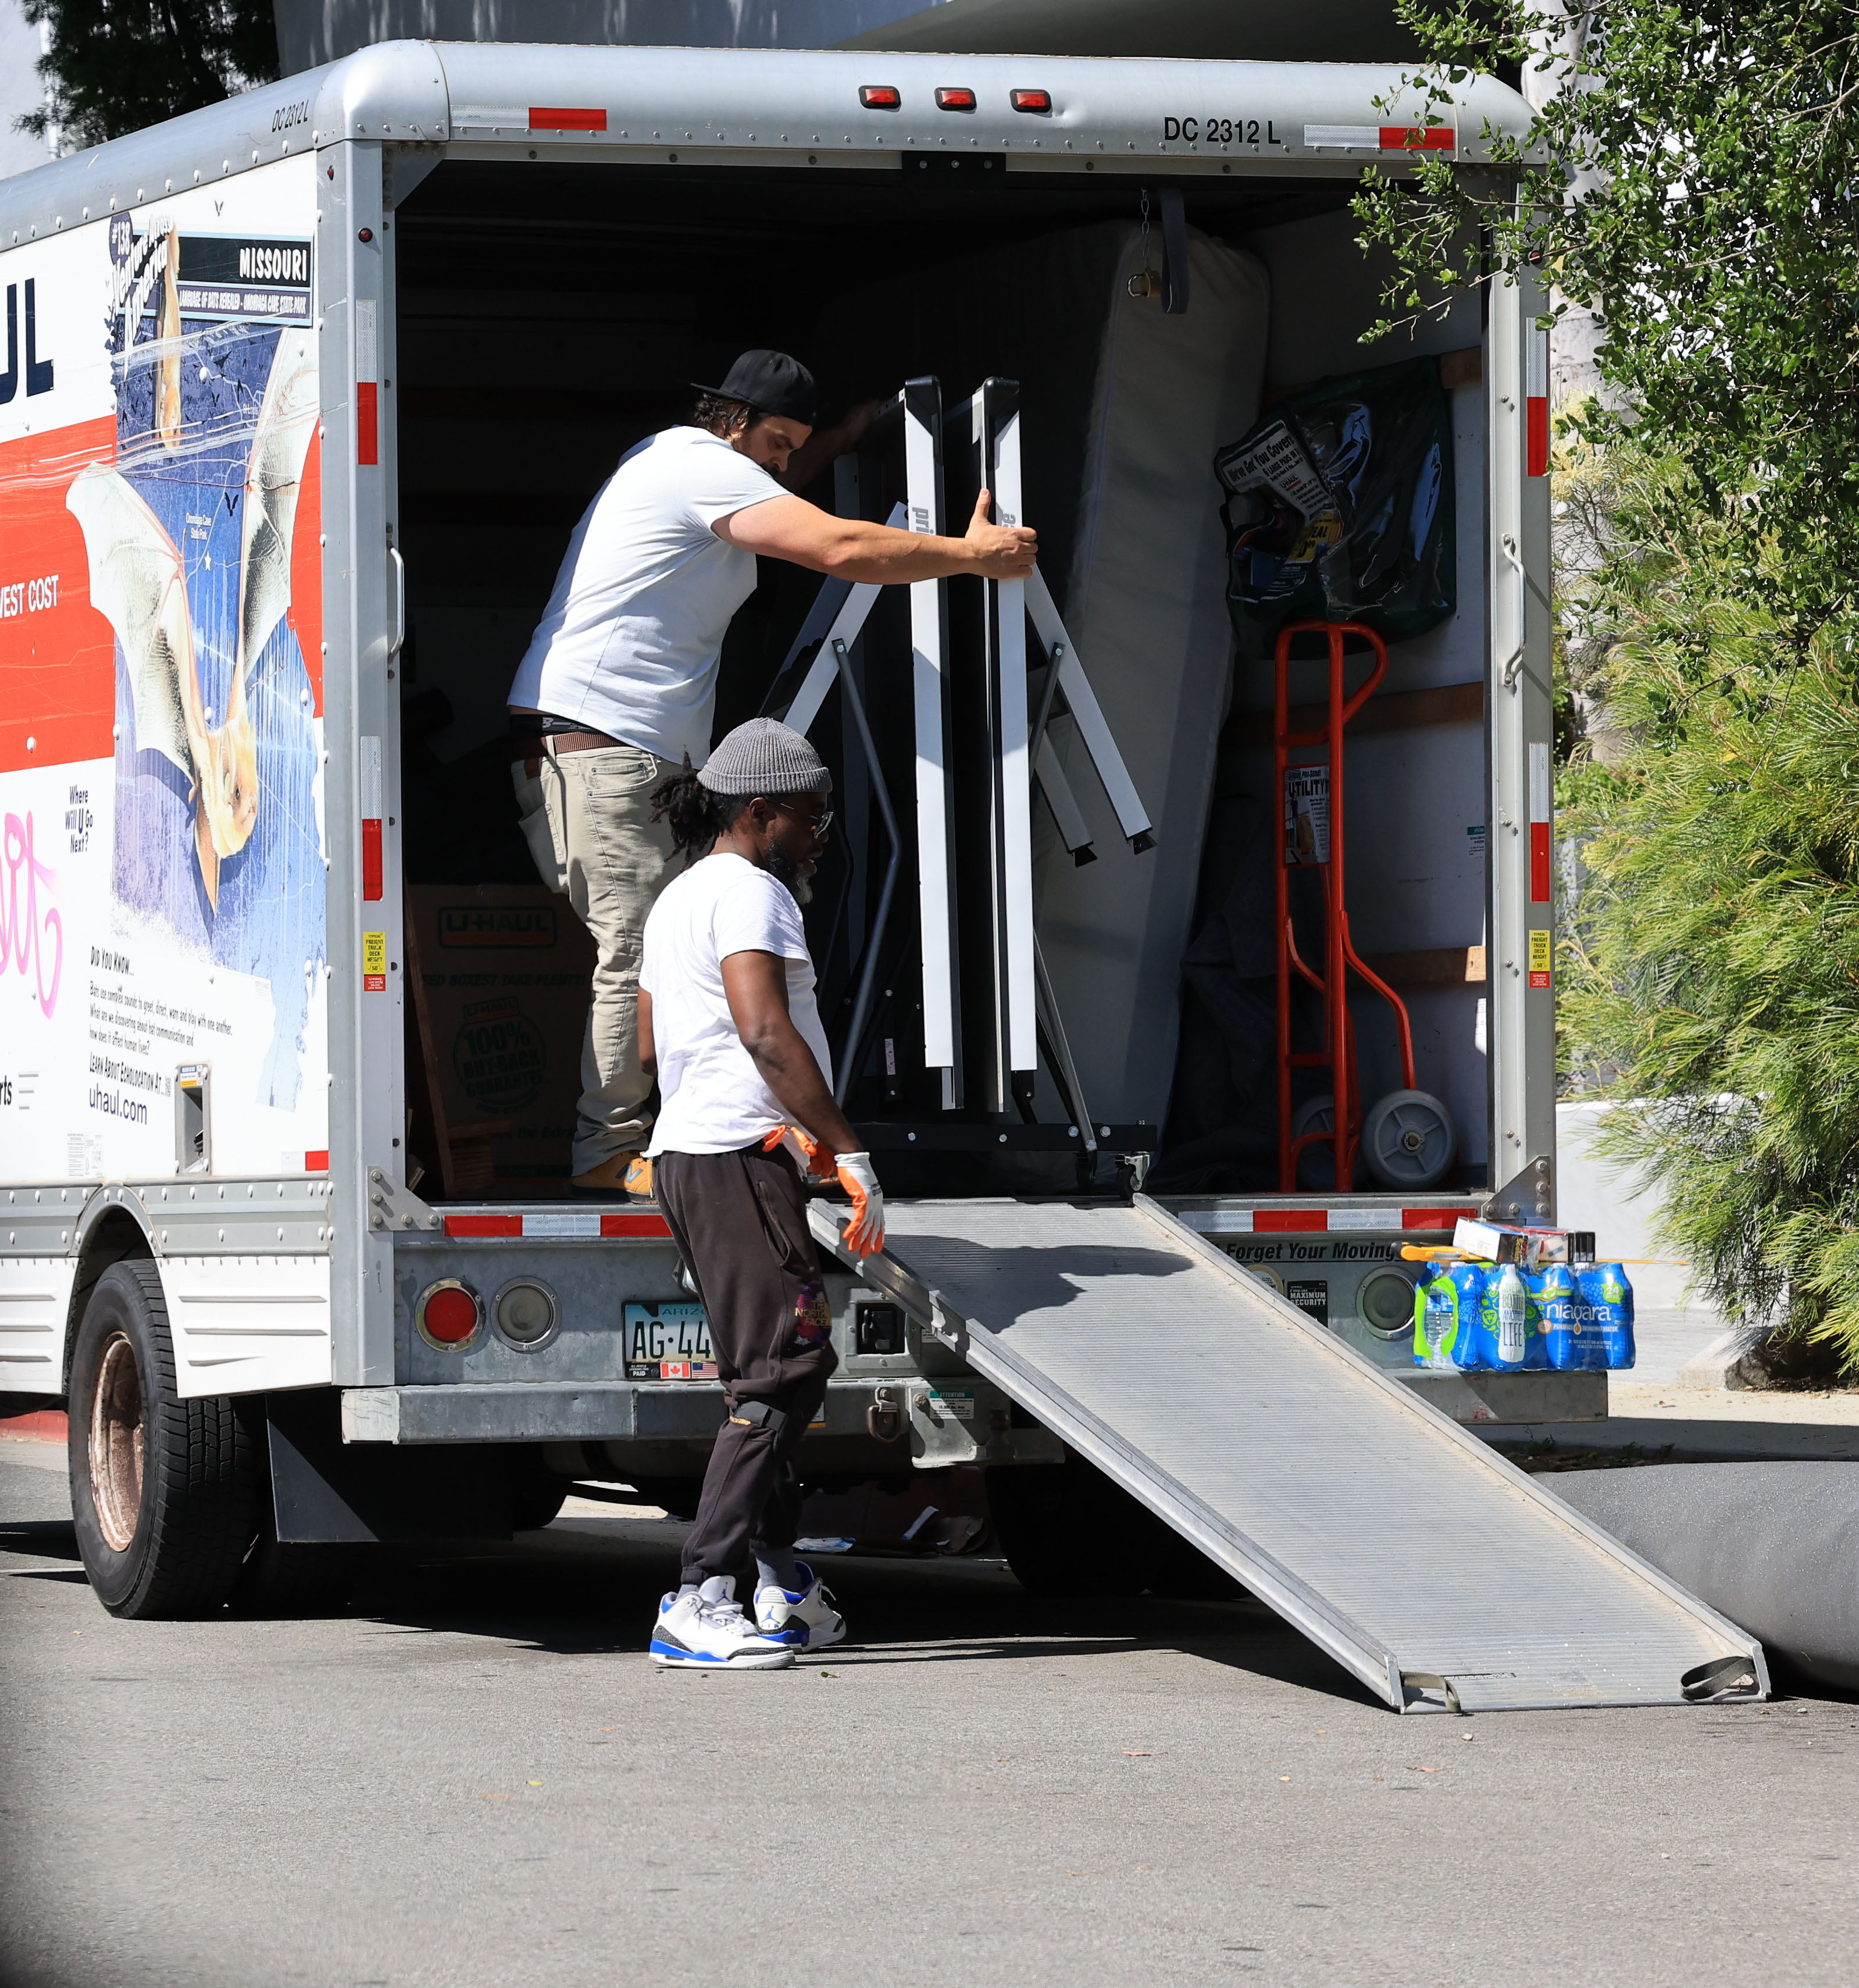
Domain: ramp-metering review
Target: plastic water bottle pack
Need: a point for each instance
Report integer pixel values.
(1572, 1317)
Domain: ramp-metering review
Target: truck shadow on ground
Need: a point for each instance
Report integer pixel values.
(537, 1596)
(589, 1588)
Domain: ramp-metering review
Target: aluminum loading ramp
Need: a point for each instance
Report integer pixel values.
(1441, 1575)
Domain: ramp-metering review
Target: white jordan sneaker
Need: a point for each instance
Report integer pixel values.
(708, 1630)
(807, 1621)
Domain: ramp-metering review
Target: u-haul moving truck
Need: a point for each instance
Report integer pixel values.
(302, 395)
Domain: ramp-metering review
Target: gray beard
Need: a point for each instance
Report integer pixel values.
(786, 869)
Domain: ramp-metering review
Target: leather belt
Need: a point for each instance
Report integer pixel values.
(531, 748)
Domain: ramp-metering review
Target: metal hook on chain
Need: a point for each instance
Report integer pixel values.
(1148, 282)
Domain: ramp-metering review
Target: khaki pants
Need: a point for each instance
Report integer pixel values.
(587, 819)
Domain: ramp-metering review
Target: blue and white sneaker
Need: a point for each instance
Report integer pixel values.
(807, 1621)
(708, 1631)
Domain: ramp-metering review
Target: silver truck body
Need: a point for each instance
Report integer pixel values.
(282, 1276)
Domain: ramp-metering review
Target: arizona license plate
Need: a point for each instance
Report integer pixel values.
(668, 1342)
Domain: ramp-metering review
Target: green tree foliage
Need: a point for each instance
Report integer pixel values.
(115, 65)
(1710, 971)
(1692, 183)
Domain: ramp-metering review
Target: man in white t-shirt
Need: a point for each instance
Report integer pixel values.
(728, 1019)
(618, 688)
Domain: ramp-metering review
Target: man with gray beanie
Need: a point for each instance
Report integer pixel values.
(618, 687)
(728, 1019)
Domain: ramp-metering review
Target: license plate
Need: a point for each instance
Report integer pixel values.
(668, 1342)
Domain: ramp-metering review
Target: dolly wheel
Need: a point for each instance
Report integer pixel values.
(1316, 1161)
(1408, 1141)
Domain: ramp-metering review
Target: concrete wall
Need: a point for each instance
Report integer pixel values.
(1590, 1193)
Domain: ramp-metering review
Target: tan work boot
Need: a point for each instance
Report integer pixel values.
(616, 1179)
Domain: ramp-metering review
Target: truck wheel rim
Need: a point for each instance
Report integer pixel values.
(116, 1444)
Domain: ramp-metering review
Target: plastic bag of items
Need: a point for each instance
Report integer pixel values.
(1340, 507)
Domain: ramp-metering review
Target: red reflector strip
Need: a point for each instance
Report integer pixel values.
(1536, 402)
(555, 117)
(1540, 823)
(367, 373)
(1432, 1218)
(1031, 100)
(634, 1225)
(368, 769)
(367, 424)
(879, 97)
(371, 857)
(317, 1162)
(1539, 862)
(653, 1226)
(1281, 1221)
(955, 100)
(1418, 138)
(1536, 435)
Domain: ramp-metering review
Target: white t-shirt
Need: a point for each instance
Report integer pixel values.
(714, 1100)
(628, 644)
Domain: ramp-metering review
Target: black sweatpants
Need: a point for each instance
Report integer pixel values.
(741, 1220)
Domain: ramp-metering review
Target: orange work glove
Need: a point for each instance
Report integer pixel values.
(865, 1231)
(810, 1156)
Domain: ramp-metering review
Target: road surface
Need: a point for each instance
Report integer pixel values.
(473, 1776)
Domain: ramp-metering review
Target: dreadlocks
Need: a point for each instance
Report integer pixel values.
(698, 816)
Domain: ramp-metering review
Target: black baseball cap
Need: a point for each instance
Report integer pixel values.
(769, 382)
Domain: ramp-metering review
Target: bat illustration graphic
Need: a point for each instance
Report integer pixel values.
(138, 581)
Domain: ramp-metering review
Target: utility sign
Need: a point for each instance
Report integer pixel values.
(1306, 814)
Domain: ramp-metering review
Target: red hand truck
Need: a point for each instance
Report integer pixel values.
(1338, 1054)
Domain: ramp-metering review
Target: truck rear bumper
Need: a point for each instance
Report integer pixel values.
(688, 1411)
(565, 1412)
(879, 1424)
(1515, 1400)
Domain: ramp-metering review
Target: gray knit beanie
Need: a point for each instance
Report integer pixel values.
(764, 757)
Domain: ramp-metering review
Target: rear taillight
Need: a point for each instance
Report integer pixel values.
(880, 97)
(1032, 99)
(449, 1315)
(955, 100)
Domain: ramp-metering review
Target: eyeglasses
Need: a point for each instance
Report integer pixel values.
(818, 823)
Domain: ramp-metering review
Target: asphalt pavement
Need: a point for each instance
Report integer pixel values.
(473, 1776)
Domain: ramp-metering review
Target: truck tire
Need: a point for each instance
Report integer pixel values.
(1067, 1528)
(164, 1493)
(537, 1493)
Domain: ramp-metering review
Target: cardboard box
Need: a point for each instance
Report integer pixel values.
(1493, 1243)
(500, 974)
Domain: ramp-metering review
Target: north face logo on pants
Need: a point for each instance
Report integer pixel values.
(813, 1319)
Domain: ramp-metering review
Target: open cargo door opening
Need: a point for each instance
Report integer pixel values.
(550, 316)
